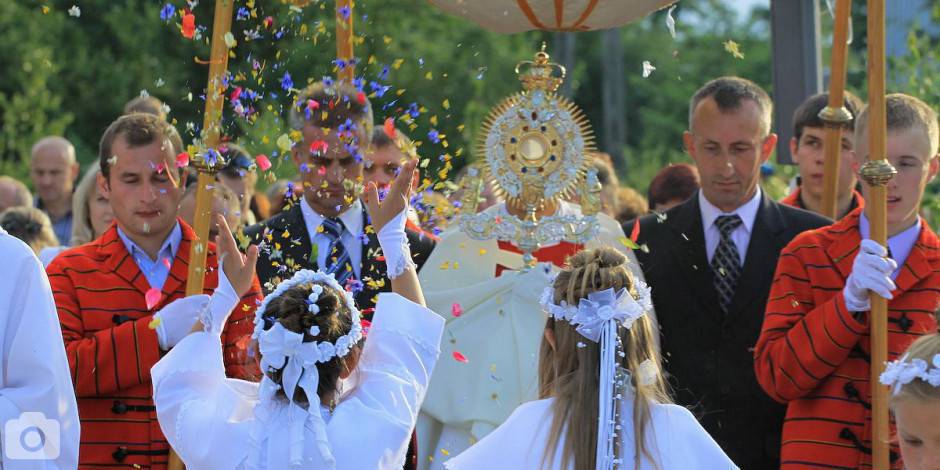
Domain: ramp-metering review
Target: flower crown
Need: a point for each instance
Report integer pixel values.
(594, 311)
(902, 372)
(272, 334)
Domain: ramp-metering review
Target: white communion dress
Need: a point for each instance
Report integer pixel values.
(217, 423)
(673, 437)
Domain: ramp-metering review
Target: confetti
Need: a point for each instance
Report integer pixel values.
(167, 12)
(635, 233)
(628, 243)
(459, 357)
(647, 68)
(284, 143)
(182, 160)
(390, 128)
(153, 297)
(156, 321)
(75, 11)
(319, 147)
(286, 82)
(230, 41)
(263, 162)
(188, 27)
(456, 310)
(671, 22)
(734, 49)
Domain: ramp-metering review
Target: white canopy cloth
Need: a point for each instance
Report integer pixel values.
(36, 393)
(213, 422)
(674, 438)
(498, 331)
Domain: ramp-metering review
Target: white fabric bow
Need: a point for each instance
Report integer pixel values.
(602, 306)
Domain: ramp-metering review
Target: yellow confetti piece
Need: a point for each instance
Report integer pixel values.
(429, 76)
(482, 251)
(265, 140)
(284, 143)
(154, 323)
(445, 265)
(45, 9)
(733, 48)
(387, 39)
(397, 63)
(628, 243)
(230, 41)
(446, 104)
(445, 452)
(434, 120)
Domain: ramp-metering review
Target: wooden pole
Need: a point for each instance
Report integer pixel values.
(344, 38)
(835, 115)
(212, 122)
(877, 172)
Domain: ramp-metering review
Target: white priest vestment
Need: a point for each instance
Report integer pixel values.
(218, 423)
(38, 414)
(496, 323)
(674, 439)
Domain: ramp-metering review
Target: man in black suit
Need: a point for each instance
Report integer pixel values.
(710, 262)
(328, 228)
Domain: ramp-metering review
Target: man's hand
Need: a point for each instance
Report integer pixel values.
(238, 269)
(396, 201)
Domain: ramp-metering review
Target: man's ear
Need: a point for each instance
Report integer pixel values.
(794, 146)
(104, 188)
(76, 169)
(688, 140)
(767, 147)
(933, 167)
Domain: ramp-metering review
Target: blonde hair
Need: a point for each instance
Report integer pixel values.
(30, 225)
(82, 231)
(925, 348)
(569, 372)
(902, 112)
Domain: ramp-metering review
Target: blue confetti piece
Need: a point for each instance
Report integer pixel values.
(167, 12)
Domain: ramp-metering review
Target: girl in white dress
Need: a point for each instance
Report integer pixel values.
(604, 402)
(915, 402)
(309, 337)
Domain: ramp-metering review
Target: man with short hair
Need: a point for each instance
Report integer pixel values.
(710, 262)
(13, 193)
(807, 149)
(54, 170)
(111, 294)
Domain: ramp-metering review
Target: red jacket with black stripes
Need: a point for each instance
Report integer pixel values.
(99, 293)
(813, 354)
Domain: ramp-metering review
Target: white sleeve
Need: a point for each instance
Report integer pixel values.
(34, 371)
(194, 404)
(690, 445)
(372, 426)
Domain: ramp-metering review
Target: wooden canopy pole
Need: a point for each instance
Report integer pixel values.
(207, 167)
(876, 173)
(835, 116)
(344, 38)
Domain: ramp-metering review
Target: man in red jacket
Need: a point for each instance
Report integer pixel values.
(109, 294)
(806, 147)
(814, 349)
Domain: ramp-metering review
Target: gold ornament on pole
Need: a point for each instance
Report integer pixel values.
(535, 146)
(876, 173)
(209, 160)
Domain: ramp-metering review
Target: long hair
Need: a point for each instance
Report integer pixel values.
(82, 231)
(569, 371)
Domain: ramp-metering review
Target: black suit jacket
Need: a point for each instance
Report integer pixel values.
(285, 247)
(709, 355)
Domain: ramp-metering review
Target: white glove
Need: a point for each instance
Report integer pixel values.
(176, 319)
(394, 245)
(223, 301)
(871, 271)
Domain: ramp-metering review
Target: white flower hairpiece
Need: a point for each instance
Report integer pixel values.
(599, 307)
(328, 350)
(902, 372)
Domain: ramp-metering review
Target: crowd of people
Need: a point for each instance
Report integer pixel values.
(347, 322)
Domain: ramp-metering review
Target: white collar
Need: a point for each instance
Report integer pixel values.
(747, 211)
(351, 217)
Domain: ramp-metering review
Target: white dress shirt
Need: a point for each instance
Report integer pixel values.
(741, 236)
(352, 236)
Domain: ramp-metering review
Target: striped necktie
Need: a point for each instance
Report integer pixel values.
(337, 258)
(726, 262)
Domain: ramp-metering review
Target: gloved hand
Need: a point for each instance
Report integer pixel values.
(871, 271)
(176, 319)
(388, 218)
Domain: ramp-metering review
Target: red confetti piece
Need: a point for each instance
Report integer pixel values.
(237, 93)
(635, 233)
(263, 162)
(268, 22)
(319, 146)
(361, 97)
(390, 128)
(313, 104)
(182, 160)
(189, 25)
(153, 297)
(321, 171)
(166, 262)
(456, 310)
(460, 357)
